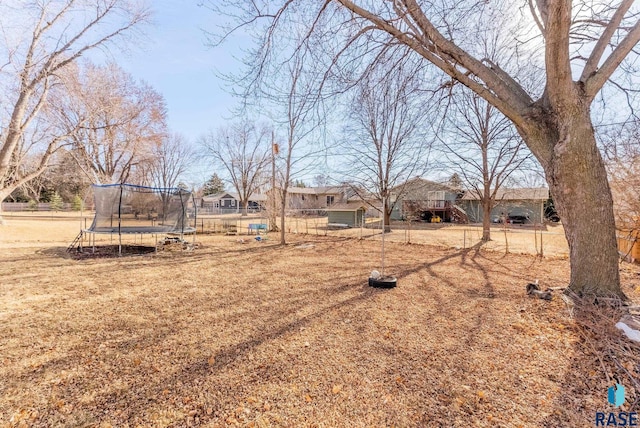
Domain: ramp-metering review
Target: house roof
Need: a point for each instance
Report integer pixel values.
(347, 206)
(419, 181)
(330, 190)
(364, 197)
(519, 194)
(257, 197)
(302, 190)
(419, 188)
(217, 196)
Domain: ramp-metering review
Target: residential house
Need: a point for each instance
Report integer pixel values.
(524, 204)
(426, 200)
(229, 202)
(303, 199)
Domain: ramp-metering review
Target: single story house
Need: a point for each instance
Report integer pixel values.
(351, 214)
(229, 202)
(315, 198)
(526, 204)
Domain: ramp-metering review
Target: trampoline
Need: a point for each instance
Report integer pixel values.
(125, 209)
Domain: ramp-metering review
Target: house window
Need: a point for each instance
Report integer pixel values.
(233, 202)
(436, 199)
(303, 197)
(330, 199)
(436, 195)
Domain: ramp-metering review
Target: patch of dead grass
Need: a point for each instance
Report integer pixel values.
(261, 335)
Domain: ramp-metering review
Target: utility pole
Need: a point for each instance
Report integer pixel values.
(272, 215)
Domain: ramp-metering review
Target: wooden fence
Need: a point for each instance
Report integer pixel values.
(629, 245)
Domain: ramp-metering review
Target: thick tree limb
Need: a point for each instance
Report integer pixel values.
(447, 56)
(604, 40)
(594, 83)
(560, 89)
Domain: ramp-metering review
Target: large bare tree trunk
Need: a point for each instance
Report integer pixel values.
(578, 183)
(4, 194)
(486, 219)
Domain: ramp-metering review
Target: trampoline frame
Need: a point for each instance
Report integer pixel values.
(143, 230)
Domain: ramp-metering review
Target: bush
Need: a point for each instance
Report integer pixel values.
(32, 205)
(77, 203)
(56, 202)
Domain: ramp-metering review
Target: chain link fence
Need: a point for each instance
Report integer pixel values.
(541, 240)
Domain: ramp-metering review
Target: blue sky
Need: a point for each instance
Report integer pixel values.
(174, 60)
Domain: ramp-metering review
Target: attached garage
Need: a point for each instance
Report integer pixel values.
(526, 203)
(350, 214)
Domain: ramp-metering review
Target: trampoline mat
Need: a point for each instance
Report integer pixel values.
(142, 230)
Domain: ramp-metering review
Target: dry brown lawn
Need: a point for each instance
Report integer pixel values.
(258, 335)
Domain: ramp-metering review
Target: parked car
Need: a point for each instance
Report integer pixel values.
(555, 218)
(518, 219)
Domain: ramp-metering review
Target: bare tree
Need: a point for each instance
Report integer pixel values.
(385, 141)
(62, 176)
(584, 44)
(33, 189)
(65, 177)
(242, 150)
(321, 180)
(40, 40)
(115, 123)
(484, 147)
(170, 160)
(299, 99)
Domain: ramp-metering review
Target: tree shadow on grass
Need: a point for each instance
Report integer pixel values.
(271, 329)
(301, 308)
(229, 354)
(468, 257)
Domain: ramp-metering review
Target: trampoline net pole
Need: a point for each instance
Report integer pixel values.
(182, 217)
(195, 218)
(120, 222)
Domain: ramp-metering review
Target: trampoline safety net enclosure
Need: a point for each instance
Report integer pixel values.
(127, 208)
